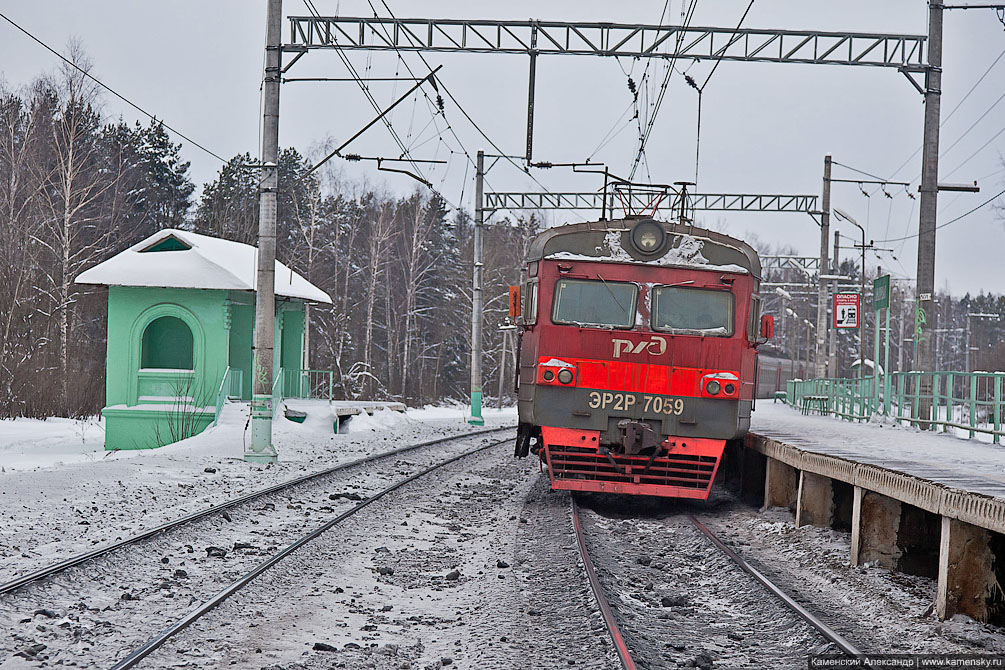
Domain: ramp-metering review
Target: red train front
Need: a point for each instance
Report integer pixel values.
(638, 356)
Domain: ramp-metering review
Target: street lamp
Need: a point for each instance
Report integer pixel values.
(845, 216)
(809, 325)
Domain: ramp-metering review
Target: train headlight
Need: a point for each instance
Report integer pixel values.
(648, 236)
(548, 375)
(712, 387)
(565, 376)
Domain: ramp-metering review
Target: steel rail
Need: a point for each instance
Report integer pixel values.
(605, 608)
(825, 630)
(142, 652)
(63, 565)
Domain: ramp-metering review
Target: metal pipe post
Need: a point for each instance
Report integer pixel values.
(832, 360)
(875, 349)
(887, 378)
(261, 448)
(476, 297)
(861, 313)
(924, 316)
(502, 368)
(531, 85)
(819, 357)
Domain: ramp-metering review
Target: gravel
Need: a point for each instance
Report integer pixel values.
(117, 603)
(461, 521)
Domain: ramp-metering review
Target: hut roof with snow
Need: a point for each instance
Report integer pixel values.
(173, 258)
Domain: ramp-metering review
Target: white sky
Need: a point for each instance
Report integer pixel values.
(765, 127)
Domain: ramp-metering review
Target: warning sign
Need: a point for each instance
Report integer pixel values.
(846, 310)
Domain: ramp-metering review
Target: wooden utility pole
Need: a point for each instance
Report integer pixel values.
(261, 448)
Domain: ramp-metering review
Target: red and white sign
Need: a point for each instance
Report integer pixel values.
(846, 310)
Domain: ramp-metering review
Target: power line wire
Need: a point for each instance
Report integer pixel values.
(111, 90)
(950, 115)
(961, 216)
(459, 106)
(663, 89)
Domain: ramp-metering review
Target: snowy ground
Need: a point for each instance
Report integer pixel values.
(60, 494)
(942, 458)
(472, 567)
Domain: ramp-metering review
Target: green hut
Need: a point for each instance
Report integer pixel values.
(181, 322)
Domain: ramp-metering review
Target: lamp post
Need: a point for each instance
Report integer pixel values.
(795, 359)
(845, 216)
(809, 326)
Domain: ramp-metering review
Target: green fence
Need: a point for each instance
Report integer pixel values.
(971, 402)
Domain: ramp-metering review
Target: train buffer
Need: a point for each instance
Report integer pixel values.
(921, 502)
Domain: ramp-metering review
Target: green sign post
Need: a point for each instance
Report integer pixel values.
(880, 301)
(881, 292)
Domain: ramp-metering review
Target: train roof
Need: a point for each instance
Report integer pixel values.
(611, 242)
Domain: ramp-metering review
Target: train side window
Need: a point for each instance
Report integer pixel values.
(530, 303)
(754, 324)
(693, 311)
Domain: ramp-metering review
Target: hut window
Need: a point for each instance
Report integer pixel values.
(167, 344)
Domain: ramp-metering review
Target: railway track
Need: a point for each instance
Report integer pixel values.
(138, 654)
(618, 639)
(100, 552)
(58, 588)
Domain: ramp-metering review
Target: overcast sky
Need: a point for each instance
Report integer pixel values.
(765, 127)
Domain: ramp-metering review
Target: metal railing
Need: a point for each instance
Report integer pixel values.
(231, 386)
(312, 384)
(968, 401)
(277, 393)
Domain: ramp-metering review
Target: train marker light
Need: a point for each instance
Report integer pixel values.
(713, 387)
(565, 376)
(729, 388)
(548, 375)
(648, 237)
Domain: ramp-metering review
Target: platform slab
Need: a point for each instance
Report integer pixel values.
(968, 465)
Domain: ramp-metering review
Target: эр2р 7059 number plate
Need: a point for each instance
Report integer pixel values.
(627, 402)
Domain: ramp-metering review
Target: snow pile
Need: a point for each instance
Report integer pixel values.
(687, 253)
(33, 443)
(383, 419)
(208, 262)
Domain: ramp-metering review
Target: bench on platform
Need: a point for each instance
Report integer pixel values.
(811, 403)
(780, 395)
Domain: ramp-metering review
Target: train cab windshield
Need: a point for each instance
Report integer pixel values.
(693, 311)
(588, 302)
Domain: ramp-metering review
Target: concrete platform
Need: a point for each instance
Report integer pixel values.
(916, 501)
(344, 408)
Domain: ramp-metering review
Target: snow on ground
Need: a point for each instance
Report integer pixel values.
(31, 443)
(943, 458)
(61, 494)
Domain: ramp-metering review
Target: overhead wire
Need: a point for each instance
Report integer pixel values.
(651, 121)
(951, 221)
(701, 90)
(373, 102)
(456, 102)
(112, 90)
(950, 115)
